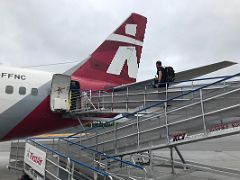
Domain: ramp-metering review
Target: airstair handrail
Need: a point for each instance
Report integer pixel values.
(104, 154)
(184, 94)
(162, 102)
(198, 79)
(102, 173)
(170, 83)
(174, 82)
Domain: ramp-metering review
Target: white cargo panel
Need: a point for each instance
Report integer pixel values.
(59, 97)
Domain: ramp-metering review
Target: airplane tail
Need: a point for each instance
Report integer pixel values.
(116, 60)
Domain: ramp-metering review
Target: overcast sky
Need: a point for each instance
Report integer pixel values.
(181, 33)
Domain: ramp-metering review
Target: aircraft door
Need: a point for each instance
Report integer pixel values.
(59, 96)
(75, 95)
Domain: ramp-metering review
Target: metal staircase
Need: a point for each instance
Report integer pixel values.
(186, 115)
(65, 159)
(181, 115)
(128, 100)
(150, 119)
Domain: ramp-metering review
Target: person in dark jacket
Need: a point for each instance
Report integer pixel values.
(159, 79)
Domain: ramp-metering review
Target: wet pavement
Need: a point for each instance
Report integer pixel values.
(224, 152)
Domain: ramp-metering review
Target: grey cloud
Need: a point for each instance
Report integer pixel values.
(183, 34)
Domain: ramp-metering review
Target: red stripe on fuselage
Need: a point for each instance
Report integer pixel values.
(39, 121)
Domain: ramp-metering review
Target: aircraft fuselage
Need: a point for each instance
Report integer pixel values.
(24, 104)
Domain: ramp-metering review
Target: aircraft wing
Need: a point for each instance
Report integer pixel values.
(183, 75)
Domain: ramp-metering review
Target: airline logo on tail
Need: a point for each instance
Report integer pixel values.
(125, 53)
(116, 60)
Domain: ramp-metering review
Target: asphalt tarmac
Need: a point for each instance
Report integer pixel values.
(223, 152)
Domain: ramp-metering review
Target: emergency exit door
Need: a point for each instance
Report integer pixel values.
(59, 96)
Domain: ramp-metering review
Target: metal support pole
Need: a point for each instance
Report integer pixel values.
(97, 141)
(72, 173)
(129, 172)
(192, 94)
(80, 138)
(90, 95)
(181, 157)
(145, 96)
(203, 114)
(44, 175)
(166, 91)
(138, 131)
(68, 167)
(172, 162)
(58, 143)
(58, 162)
(112, 99)
(80, 122)
(115, 137)
(166, 122)
(99, 99)
(95, 175)
(151, 163)
(17, 153)
(121, 164)
(24, 164)
(127, 100)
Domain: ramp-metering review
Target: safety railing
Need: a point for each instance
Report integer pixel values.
(127, 98)
(64, 164)
(16, 157)
(223, 79)
(170, 124)
(101, 156)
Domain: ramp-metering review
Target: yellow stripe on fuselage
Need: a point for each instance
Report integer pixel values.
(54, 135)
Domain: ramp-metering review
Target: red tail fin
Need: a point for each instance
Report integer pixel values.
(116, 60)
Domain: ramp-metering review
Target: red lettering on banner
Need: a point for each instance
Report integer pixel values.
(219, 127)
(236, 124)
(179, 137)
(36, 159)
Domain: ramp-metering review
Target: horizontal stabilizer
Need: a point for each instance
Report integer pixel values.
(200, 71)
(184, 75)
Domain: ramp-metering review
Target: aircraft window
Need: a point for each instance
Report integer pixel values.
(22, 90)
(34, 91)
(9, 89)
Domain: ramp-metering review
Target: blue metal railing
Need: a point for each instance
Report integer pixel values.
(105, 155)
(199, 79)
(100, 172)
(224, 78)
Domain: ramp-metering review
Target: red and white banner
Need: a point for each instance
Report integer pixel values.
(35, 158)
